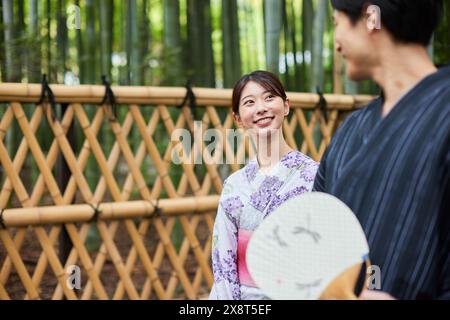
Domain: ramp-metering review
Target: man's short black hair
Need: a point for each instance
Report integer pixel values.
(409, 21)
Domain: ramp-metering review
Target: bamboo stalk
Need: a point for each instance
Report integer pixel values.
(126, 192)
(215, 120)
(38, 190)
(3, 293)
(40, 232)
(22, 92)
(21, 217)
(14, 255)
(19, 158)
(45, 242)
(144, 225)
(137, 175)
(158, 257)
(188, 227)
(116, 195)
(85, 191)
(69, 193)
(54, 191)
(307, 134)
(152, 151)
(6, 122)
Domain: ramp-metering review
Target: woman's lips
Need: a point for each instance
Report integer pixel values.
(265, 122)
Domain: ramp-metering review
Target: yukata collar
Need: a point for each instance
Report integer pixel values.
(282, 169)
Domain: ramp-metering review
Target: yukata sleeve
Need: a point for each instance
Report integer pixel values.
(224, 250)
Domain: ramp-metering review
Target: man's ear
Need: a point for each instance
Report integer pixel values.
(372, 14)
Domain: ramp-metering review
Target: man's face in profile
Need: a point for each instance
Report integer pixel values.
(355, 42)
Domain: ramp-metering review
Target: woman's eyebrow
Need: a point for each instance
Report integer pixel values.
(251, 95)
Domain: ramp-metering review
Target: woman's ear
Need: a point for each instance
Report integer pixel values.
(237, 118)
(287, 107)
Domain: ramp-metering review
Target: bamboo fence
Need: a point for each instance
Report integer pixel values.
(134, 219)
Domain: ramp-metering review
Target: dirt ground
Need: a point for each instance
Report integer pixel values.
(31, 251)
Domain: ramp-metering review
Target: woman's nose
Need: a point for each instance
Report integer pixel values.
(261, 108)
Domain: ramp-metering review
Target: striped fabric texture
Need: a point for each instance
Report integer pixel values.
(394, 173)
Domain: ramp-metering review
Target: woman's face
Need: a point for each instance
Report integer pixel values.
(261, 110)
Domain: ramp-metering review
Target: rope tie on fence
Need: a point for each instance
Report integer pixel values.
(157, 211)
(322, 104)
(96, 214)
(47, 96)
(109, 98)
(190, 96)
(2, 221)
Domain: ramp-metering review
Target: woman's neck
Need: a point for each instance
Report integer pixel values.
(271, 149)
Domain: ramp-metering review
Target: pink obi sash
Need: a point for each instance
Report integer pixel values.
(244, 275)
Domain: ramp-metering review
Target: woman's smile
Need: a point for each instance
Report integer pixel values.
(264, 122)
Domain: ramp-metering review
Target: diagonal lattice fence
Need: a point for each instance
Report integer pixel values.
(90, 189)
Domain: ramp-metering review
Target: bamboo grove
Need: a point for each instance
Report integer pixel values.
(167, 42)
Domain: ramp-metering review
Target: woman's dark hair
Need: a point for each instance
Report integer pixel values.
(409, 21)
(265, 79)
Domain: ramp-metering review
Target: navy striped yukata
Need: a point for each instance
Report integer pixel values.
(394, 173)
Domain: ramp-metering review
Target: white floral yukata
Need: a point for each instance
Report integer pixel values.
(248, 196)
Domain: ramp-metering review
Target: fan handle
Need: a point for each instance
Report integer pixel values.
(343, 286)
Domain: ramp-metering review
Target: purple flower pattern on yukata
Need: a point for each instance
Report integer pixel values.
(232, 208)
(293, 159)
(308, 173)
(225, 269)
(261, 198)
(250, 171)
(278, 200)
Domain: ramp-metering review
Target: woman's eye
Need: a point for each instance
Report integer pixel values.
(270, 97)
(248, 102)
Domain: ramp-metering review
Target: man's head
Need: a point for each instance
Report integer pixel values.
(401, 22)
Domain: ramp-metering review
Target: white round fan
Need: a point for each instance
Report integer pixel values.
(310, 247)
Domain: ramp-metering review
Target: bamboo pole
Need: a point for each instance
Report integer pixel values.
(3, 293)
(52, 186)
(41, 234)
(137, 176)
(143, 190)
(188, 170)
(170, 223)
(14, 255)
(7, 186)
(22, 92)
(308, 139)
(54, 192)
(38, 190)
(68, 196)
(158, 256)
(126, 192)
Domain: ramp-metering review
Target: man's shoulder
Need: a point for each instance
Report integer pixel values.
(363, 112)
(356, 118)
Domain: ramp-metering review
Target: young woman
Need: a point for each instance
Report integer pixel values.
(274, 175)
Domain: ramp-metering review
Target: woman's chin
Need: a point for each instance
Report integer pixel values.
(265, 131)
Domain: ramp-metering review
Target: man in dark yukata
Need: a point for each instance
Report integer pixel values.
(390, 161)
